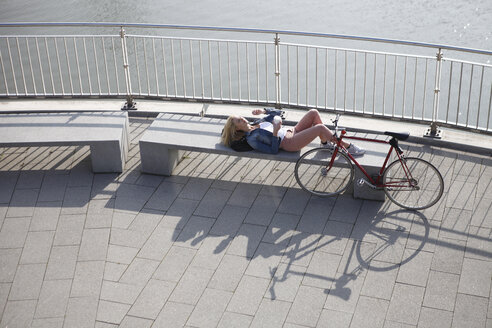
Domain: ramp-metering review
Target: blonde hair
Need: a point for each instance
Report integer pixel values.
(230, 133)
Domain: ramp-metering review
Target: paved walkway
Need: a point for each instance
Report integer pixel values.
(230, 242)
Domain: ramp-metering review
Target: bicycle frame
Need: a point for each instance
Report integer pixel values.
(377, 181)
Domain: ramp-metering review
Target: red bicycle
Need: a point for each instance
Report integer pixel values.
(410, 182)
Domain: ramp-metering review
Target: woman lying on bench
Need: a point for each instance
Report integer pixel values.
(268, 135)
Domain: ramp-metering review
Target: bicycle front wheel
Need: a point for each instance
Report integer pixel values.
(316, 173)
(417, 188)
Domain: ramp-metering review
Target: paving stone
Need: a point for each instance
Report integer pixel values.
(53, 298)
(76, 200)
(266, 259)
(22, 203)
(146, 221)
(346, 209)
(248, 295)
(139, 272)
(88, 279)
(194, 232)
(61, 264)
(271, 314)
(18, 314)
(301, 248)
(281, 228)
(229, 221)
(294, 202)
(475, 277)
(247, 240)
(455, 224)
(121, 254)
(27, 282)
(128, 238)
(134, 191)
(179, 213)
(244, 195)
(164, 196)
(460, 195)
(53, 188)
(131, 322)
(423, 235)
(121, 220)
(119, 292)
(14, 232)
(38, 247)
(69, 230)
(209, 309)
(441, 290)
(229, 273)
(434, 318)
(30, 180)
(211, 252)
(114, 271)
(482, 213)
(415, 271)
(129, 205)
(379, 284)
(4, 293)
(263, 209)
(307, 306)
(335, 237)
(479, 244)
(234, 320)
(286, 282)
(405, 304)
(111, 312)
(370, 312)
(191, 286)
(470, 311)
(315, 215)
(104, 186)
(9, 258)
(94, 245)
(331, 318)
(196, 188)
(152, 299)
(212, 203)
(8, 181)
(158, 244)
(47, 323)
(448, 256)
(45, 216)
(174, 264)
(173, 315)
(322, 269)
(344, 293)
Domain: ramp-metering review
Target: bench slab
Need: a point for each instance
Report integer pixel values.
(105, 132)
(163, 144)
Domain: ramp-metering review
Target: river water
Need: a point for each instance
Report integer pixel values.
(464, 23)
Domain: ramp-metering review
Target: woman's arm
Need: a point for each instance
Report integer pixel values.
(258, 111)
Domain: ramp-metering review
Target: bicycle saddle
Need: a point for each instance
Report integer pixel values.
(398, 135)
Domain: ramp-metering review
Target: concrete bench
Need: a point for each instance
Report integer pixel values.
(105, 132)
(163, 144)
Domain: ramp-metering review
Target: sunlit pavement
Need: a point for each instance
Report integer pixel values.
(234, 242)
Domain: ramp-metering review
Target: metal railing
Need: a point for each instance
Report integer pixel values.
(425, 88)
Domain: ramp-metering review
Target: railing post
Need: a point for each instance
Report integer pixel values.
(129, 104)
(277, 71)
(433, 131)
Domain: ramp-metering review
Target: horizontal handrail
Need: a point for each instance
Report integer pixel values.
(251, 30)
(389, 84)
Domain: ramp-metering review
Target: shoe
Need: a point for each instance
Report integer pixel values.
(355, 151)
(327, 145)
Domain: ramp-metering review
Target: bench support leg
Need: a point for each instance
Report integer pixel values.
(157, 159)
(108, 156)
(364, 191)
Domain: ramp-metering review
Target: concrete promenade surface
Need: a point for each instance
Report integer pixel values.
(232, 242)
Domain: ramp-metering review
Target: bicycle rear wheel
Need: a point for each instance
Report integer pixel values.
(314, 173)
(420, 189)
